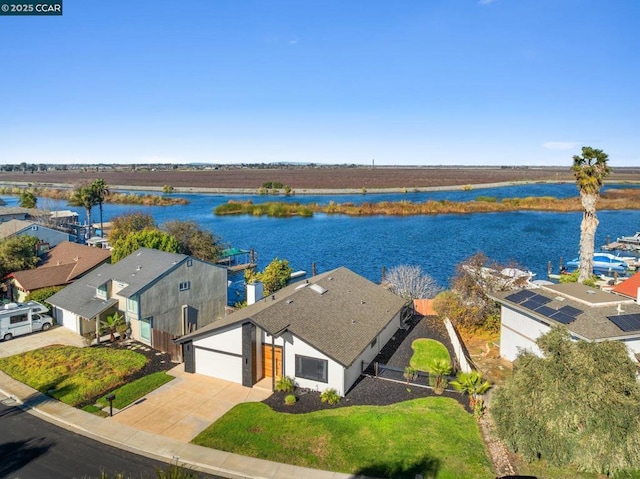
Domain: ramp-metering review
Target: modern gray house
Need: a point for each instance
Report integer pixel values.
(161, 295)
(322, 332)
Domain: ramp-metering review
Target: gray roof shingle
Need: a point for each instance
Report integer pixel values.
(340, 322)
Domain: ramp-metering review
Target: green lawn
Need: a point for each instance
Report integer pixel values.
(434, 437)
(134, 390)
(425, 351)
(73, 375)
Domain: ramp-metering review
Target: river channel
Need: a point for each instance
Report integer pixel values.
(367, 244)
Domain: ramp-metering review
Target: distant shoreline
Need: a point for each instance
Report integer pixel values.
(305, 192)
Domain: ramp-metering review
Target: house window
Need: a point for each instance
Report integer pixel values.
(102, 291)
(189, 262)
(312, 368)
(374, 342)
(145, 328)
(185, 285)
(132, 304)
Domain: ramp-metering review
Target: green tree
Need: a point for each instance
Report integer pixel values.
(274, 277)
(18, 253)
(193, 240)
(577, 404)
(100, 193)
(83, 196)
(589, 170)
(147, 238)
(28, 199)
(122, 225)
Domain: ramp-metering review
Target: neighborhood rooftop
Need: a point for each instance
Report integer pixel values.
(338, 313)
(591, 313)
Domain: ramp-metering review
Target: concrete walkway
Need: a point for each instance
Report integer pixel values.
(40, 339)
(184, 407)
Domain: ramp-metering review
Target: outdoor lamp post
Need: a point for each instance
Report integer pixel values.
(110, 398)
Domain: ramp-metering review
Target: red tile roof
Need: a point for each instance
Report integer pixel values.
(629, 287)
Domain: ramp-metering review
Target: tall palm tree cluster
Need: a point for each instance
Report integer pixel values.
(89, 196)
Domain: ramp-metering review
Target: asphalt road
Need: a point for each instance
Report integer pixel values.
(33, 448)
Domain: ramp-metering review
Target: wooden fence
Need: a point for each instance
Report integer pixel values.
(164, 342)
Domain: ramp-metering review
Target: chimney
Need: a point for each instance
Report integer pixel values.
(255, 292)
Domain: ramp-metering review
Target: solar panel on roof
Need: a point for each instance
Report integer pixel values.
(539, 299)
(562, 317)
(626, 322)
(571, 311)
(546, 311)
(520, 296)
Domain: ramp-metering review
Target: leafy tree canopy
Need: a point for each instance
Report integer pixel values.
(18, 253)
(577, 404)
(147, 238)
(128, 223)
(274, 277)
(193, 240)
(28, 199)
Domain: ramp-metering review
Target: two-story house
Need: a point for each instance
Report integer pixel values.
(161, 295)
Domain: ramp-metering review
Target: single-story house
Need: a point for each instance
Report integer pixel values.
(19, 213)
(588, 313)
(161, 295)
(13, 227)
(322, 332)
(61, 265)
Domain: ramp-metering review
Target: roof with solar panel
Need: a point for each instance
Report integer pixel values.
(587, 312)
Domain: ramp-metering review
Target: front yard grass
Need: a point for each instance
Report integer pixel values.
(431, 436)
(75, 376)
(425, 352)
(134, 390)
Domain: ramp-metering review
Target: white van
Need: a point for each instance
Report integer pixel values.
(23, 318)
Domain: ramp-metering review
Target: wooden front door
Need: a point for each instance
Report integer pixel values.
(268, 362)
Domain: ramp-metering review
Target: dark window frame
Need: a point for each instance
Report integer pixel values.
(305, 368)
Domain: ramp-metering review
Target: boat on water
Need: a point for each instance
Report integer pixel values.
(630, 240)
(603, 262)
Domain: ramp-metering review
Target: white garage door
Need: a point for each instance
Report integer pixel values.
(68, 320)
(218, 365)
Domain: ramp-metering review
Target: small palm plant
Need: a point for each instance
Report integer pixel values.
(439, 370)
(410, 374)
(472, 384)
(113, 322)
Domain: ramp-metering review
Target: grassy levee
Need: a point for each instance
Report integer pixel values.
(118, 198)
(628, 199)
(434, 437)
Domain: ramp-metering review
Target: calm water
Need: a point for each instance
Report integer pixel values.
(365, 245)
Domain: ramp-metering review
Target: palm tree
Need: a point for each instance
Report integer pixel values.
(101, 191)
(471, 383)
(84, 196)
(590, 169)
(28, 199)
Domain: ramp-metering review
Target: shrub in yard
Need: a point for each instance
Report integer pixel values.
(290, 399)
(410, 374)
(285, 384)
(440, 369)
(330, 396)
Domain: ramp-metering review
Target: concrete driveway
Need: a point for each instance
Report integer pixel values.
(184, 407)
(40, 339)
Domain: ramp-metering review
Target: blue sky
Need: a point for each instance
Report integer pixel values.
(411, 82)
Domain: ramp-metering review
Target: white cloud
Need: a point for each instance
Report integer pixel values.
(293, 42)
(560, 145)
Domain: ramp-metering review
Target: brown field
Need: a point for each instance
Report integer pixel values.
(302, 179)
